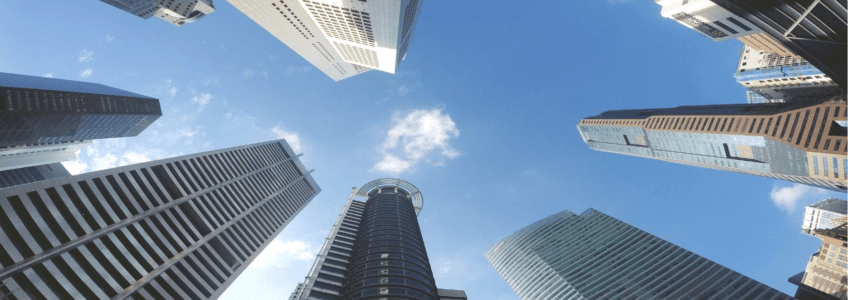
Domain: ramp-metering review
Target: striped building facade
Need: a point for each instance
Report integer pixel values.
(803, 142)
(178, 228)
(595, 256)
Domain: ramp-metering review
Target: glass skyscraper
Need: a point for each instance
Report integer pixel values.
(375, 250)
(803, 142)
(595, 256)
(37, 110)
(177, 228)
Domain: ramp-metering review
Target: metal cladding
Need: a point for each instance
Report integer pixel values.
(595, 256)
(178, 228)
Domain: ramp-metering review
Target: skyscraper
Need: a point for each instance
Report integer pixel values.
(375, 249)
(826, 271)
(707, 18)
(803, 142)
(782, 78)
(341, 38)
(595, 256)
(823, 215)
(20, 156)
(38, 111)
(31, 174)
(177, 12)
(177, 228)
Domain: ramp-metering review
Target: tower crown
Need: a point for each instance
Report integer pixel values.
(398, 185)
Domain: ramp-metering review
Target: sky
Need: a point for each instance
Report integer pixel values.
(481, 116)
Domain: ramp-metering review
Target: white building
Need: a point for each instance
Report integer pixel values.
(342, 38)
(41, 154)
(707, 18)
(177, 12)
(824, 215)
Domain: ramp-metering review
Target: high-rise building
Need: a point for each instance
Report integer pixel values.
(177, 12)
(375, 249)
(803, 142)
(708, 19)
(826, 271)
(38, 111)
(825, 214)
(177, 228)
(341, 38)
(21, 156)
(814, 30)
(31, 174)
(782, 78)
(595, 256)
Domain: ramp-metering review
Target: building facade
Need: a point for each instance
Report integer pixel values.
(707, 18)
(375, 249)
(826, 271)
(803, 142)
(177, 12)
(31, 174)
(341, 38)
(595, 256)
(37, 111)
(21, 156)
(782, 78)
(178, 228)
(825, 214)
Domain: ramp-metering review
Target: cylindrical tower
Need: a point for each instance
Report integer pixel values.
(389, 260)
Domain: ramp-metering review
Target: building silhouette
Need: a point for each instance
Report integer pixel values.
(375, 249)
(177, 228)
(595, 256)
(177, 12)
(803, 142)
(340, 38)
(39, 111)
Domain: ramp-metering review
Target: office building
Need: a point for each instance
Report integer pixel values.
(595, 256)
(37, 111)
(177, 12)
(814, 30)
(21, 156)
(782, 78)
(825, 214)
(375, 249)
(803, 142)
(708, 19)
(31, 174)
(341, 38)
(177, 228)
(826, 271)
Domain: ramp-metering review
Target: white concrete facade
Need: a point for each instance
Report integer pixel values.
(707, 18)
(177, 12)
(35, 155)
(342, 38)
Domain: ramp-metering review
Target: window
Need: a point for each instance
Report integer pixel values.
(731, 30)
(815, 164)
(740, 25)
(824, 166)
(836, 168)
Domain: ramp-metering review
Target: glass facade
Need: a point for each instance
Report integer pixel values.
(595, 256)
(31, 174)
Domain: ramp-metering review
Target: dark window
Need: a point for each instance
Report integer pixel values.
(737, 23)
(731, 30)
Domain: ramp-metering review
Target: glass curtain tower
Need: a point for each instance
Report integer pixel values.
(375, 249)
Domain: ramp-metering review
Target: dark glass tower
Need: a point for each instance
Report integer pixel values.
(375, 250)
(38, 110)
(31, 174)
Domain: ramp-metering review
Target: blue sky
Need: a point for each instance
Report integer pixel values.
(487, 101)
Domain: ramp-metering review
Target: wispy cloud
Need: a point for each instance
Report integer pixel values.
(292, 138)
(786, 198)
(110, 153)
(294, 70)
(167, 88)
(86, 73)
(283, 253)
(414, 137)
(109, 38)
(85, 56)
(201, 100)
(49, 75)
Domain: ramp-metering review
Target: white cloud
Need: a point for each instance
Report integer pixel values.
(786, 198)
(167, 88)
(202, 100)
(282, 253)
(414, 137)
(49, 75)
(187, 132)
(248, 74)
(292, 138)
(403, 90)
(85, 56)
(75, 167)
(109, 38)
(110, 153)
(86, 73)
(172, 91)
